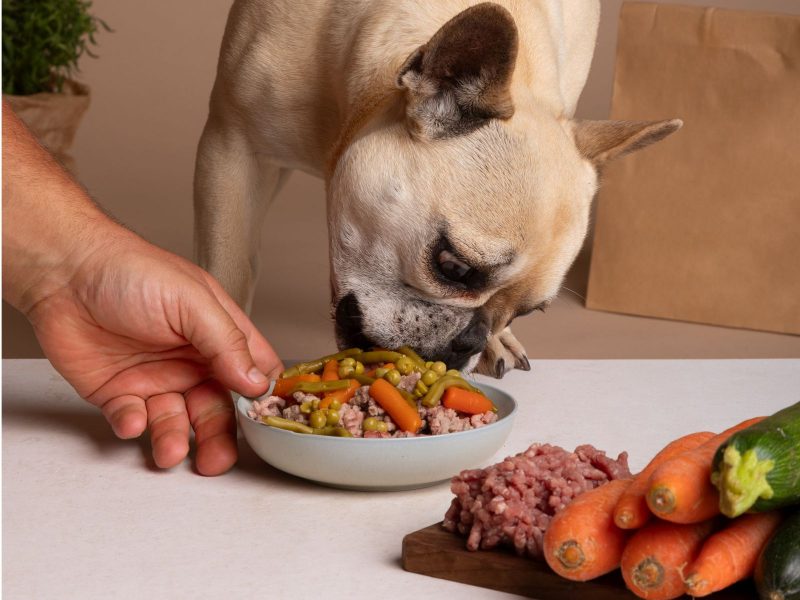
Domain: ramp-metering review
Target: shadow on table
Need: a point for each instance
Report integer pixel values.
(80, 420)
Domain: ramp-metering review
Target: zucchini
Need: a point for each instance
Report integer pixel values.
(777, 573)
(758, 469)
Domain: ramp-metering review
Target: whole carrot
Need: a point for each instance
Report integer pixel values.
(582, 541)
(680, 490)
(330, 372)
(730, 555)
(631, 511)
(390, 400)
(283, 387)
(467, 402)
(343, 396)
(653, 558)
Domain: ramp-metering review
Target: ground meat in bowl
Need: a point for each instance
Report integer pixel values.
(512, 502)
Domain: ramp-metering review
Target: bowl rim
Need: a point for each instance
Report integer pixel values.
(240, 400)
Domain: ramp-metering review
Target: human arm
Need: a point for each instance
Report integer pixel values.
(145, 335)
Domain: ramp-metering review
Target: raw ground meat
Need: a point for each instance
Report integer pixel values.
(513, 501)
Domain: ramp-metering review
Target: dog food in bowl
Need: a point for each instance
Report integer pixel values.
(374, 394)
(377, 460)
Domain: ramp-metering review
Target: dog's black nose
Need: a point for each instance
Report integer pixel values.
(470, 341)
(348, 322)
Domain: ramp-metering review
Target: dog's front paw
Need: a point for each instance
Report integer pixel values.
(503, 352)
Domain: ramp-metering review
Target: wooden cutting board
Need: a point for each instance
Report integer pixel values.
(438, 553)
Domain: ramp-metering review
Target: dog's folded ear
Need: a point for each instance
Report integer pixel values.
(601, 141)
(460, 78)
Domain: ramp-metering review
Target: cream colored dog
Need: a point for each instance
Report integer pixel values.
(458, 182)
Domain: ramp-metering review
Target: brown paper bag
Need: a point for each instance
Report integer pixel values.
(705, 226)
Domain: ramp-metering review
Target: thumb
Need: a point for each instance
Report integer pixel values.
(213, 332)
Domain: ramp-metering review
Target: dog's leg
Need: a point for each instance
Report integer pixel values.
(232, 191)
(503, 352)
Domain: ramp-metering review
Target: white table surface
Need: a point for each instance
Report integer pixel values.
(86, 515)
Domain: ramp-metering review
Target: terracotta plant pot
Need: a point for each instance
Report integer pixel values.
(54, 118)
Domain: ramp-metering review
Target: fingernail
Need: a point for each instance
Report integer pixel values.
(256, 376)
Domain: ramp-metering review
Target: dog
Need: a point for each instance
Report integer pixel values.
(458, 183)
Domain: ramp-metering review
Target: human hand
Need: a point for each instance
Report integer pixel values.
(155, 342)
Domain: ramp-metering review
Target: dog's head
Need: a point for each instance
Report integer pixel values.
(461, 205)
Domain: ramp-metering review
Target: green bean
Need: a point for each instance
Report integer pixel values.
(287, 424)
(317, 365)
(453, 372)
(319, 387)
(434, 395)
(332, 431)
(421, 388)
(409, 398)
(296, 427)
(379, 356)
(380, 372)
(416, 358)
(363, 379)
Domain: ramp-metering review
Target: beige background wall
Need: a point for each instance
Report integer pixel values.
(135, 154)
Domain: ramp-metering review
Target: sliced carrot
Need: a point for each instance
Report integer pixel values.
(390, 400)
(680, 489)
(330, 372)
(631, 511)
(582, 541)
(466, 401)
(387, 366)
(343, 396)
(653, 558)
(283, 387)
(730, 555)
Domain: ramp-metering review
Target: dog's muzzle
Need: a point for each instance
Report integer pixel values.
(455, 352)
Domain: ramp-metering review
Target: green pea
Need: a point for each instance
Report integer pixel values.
(333, 418)
(315, 403)
(380, 372)
(305, 408)
(393, 377)
(347, 362)
(405, 365)
(359, 368)
(421, 388)
(383, 426)
(453, 372)
(346, 371)
(371, 424)
(429, 376)
(428, 364)
(335, 405)
(439, 367)
(318, 419)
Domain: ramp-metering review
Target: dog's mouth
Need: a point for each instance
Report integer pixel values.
(349, 330)
(460, 352)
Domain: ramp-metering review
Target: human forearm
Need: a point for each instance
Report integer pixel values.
(50, 225)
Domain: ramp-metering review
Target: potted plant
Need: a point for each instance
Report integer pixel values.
(42, 43)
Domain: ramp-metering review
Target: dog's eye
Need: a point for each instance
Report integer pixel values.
(452, 268)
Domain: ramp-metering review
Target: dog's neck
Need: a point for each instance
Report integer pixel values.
(384, 35)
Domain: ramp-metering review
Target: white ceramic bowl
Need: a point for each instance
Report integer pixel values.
(379, 464)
